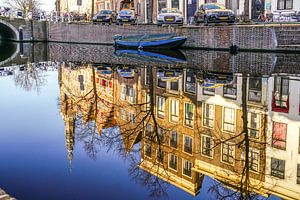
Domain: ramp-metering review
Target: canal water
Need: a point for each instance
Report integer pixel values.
(90, 122)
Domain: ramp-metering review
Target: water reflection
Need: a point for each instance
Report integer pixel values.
(182, 125)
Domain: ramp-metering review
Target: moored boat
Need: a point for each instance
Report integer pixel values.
(149, 41)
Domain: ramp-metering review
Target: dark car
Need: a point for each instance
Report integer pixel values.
(126, 16)
(214, 13)
(105, 16)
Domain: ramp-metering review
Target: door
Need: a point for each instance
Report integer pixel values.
(258, 6)
(191, 9)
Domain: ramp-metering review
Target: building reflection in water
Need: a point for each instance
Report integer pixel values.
(239, 129)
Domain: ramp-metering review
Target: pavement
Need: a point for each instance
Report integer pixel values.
(5, 196)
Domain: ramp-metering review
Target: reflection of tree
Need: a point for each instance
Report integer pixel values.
(30, 78)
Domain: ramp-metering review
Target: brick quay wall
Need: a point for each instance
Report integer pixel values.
(269, 38)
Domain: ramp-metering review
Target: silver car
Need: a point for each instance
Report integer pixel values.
(169, 16)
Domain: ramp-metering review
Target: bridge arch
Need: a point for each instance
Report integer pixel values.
(8, 31)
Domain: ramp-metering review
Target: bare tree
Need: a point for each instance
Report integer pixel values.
(24, 5)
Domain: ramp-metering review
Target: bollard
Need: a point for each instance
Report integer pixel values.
(20, 33)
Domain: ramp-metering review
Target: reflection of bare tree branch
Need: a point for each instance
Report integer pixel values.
(31, 78)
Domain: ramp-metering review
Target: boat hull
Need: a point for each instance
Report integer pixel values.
(171, 43)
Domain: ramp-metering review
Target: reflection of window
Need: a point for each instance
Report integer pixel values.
(208, 115)
(174, 139)
(229, 91)
(161, 83)
(190, 81)
(207, 146)
(281, 92)
(147, 77)
(253, 125)
(161, 107)
(189, 115)
(131, 95)
(254, 93)
(161, 134)
(147, 102)
(123, 114)
(188, 144)
(277, 168)
(148, 130)
(174, 110)
(174, 85)
(123, 92)
(253, 159)
(187, 168)
(173, 161)
(148, 150)
(298, 173)
(209, 91)
(228, 153)
(279, 135)
(80, 80)
(285, 4)
(160, 156)
(229, 119)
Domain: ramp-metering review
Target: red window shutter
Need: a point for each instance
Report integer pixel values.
(97, 80)
(279, 135)
(110, 84)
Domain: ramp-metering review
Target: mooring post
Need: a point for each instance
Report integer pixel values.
(20, 33)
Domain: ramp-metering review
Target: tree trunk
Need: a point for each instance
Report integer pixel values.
(246, 11)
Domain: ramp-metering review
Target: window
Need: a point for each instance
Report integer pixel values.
(174, 139)
(285, 4)
(148, 150)
(229, 119)
(254, 92)
(228, 153)
(207, 146)
(174, 85)
(174, 110)
(188, 144)
(279, 135)
(229, 91)
(161, 83)
(173, 161)
(281, 93)
(209, 91)
(80, 80)
(298, 173)
(277, 168)
(253, 159)
(131, 117)
(253, 125)
(175, 4)
(123, 92)
(189, 115)
(160, 156)
(161, 107)
(162, 4)
(187, 168)
(161, 135)
(190, 81)
(208, 115)
(148, 130)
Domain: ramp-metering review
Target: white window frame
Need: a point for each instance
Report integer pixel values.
(212, 118)
(183, 165)
(183, 143)
(228, 123)
(193, 118)
(160, 112)
(169, 157)
(230, 144)
(258, 128)
(174, 117)
(211, 146)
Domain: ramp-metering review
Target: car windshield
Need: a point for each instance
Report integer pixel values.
(126, 12)
(212, 7)
(169, 11)
(105, 12)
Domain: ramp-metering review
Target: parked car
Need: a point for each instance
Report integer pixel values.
(169, 16)
(105, 16)
(126, 16)
(286, 16)
(214, 13)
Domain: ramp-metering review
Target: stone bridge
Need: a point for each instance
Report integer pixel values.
(21, 30)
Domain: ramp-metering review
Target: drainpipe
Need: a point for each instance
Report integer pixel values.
(20, 33)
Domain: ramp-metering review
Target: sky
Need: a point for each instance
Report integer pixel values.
(47, 5)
